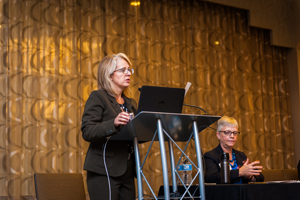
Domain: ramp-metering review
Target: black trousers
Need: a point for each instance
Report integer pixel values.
(122, 187)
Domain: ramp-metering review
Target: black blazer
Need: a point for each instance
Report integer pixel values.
(97, 124)
(213, 170)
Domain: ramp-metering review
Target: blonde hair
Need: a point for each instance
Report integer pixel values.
(226, 121)
(106, 68)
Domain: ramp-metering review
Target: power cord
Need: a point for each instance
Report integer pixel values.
(107, 174)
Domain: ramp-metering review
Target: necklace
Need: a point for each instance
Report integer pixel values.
(123, 107)
(233, 157)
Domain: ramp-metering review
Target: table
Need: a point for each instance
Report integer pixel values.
(272, 191)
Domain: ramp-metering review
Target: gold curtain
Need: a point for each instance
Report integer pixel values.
(49, 52)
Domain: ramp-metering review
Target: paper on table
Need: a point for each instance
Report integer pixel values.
(284, 181)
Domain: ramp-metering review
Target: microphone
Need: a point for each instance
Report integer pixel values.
(196, 107)
(187, 87)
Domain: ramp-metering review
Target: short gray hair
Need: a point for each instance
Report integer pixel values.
(226, 121)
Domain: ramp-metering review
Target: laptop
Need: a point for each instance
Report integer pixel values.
(161, 99)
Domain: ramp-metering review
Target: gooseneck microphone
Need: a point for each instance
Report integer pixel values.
(195, 107)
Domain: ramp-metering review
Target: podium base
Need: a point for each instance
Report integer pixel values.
(194, 190)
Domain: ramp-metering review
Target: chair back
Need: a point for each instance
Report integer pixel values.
(290, 174)
(63, 186)
(273, 174)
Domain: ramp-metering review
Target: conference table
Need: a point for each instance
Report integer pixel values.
(257, 191)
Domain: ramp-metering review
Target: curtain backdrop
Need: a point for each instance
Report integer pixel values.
(50, 51)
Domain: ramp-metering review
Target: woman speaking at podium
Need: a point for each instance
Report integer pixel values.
(242, 171)
(106, 111)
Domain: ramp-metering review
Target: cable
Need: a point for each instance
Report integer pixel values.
(107, 174)
(211, 128)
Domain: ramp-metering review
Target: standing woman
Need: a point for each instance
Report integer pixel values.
(106, 111)
(241, 170)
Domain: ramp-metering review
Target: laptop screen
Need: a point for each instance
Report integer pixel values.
(161, 99)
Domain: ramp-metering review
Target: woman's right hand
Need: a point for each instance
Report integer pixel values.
(122, 119)
(250, 169)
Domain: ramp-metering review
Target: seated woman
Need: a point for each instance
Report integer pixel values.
(241, 170)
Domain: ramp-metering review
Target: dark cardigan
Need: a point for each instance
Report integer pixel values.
(213, 171)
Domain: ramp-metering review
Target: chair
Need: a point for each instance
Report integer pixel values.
(298, 169)
(290, 174)
(63, 186)
(273, 174)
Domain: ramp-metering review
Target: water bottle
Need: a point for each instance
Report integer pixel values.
(225, 172)
(185, 172)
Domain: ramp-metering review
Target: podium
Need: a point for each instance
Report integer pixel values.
(171, 127)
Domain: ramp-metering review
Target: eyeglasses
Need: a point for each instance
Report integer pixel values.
(228, 133)
(125, 70)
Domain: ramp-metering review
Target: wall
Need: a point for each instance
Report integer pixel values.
(282, 17)
(275, 15)
(294, 66)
